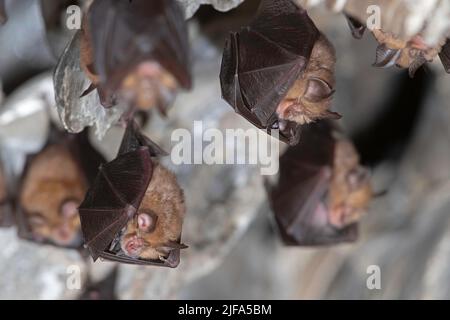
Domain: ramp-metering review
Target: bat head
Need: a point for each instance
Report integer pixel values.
(51, 192)
(309, 99)
(156, 227)
(136, 52)
(350, 190)
(321, 190)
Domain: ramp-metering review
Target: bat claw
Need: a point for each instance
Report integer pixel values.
(386, 57)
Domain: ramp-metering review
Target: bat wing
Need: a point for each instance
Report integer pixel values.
(299, 199)
(444, 55)
(232, 93)
(171, 261)
(114, 198)
(134, 139)
(125, 33)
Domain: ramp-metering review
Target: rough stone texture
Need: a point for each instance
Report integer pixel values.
(234, 251)
(70, 82)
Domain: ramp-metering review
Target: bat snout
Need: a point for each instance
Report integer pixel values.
(133, 246)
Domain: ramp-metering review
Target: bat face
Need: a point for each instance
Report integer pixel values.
(410, 55)
(136, 51)
(278, 72)
(52, 190)
(310, 97)
(322, 190)
(350, 190)
(156, 227)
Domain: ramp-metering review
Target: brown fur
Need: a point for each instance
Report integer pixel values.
(297, 106)
(53, 177)
(146, 85)
(350, 190)
(165, 199)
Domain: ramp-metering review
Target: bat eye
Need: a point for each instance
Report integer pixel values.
(317, 90)
(146, 222)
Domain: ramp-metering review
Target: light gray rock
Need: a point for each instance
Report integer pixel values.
(191, 6)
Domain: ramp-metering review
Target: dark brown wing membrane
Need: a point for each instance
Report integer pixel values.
(114, 198)
(444, 55)
(125, 33)
(172, 261)
(134, 139)
(261, 62)
(299, 197)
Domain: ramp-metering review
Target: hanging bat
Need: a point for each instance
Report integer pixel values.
(52, 187)
(322, 190)
(411, 54)
(136, 52)
(134, 211)
(3, 16)
(278, 72)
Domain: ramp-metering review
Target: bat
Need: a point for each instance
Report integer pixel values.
(136, 52)
(356, 27)
(321, 190)
(278, 72)
(444, 55)
(411, 54)
(134, 211)
(3, 16)
(52, 187)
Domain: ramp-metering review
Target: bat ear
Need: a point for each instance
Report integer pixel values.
(317, 90)
(386, 57)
